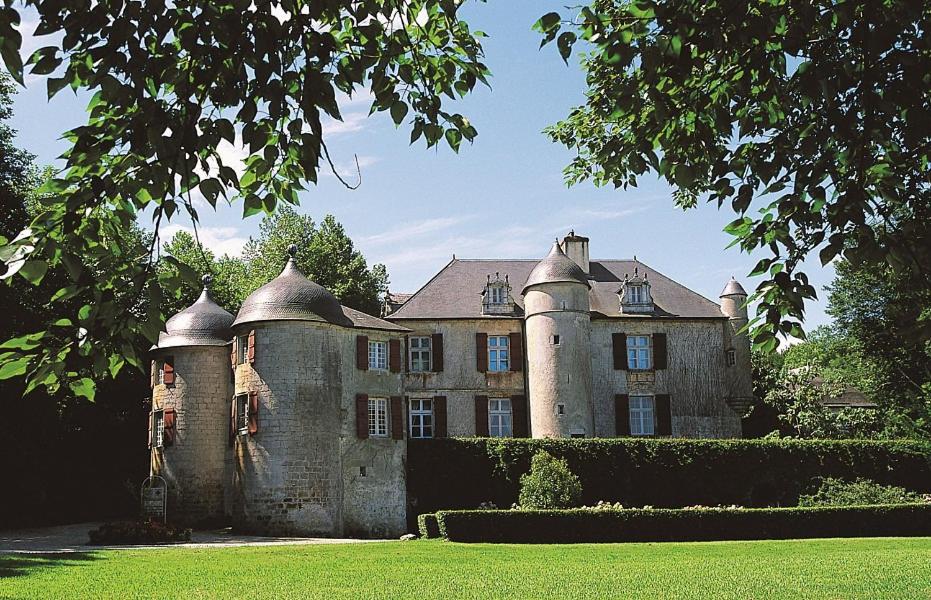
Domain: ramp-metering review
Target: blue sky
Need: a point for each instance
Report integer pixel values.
(501, 197)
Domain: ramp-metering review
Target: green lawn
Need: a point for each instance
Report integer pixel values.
(852, 568)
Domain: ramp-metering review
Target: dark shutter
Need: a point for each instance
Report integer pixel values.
(397, 418)
(362, 415)
(251, 348)
(151, 417)
(481, 352)
(659, 350)
(233, 421)
(362, 358)
(169, 368)
(168, 420)
(481, 416)
(233, 353)
(437, 352)
(619, 347)
(407, 354)
(439, 417)
(519, 416)
(663, 414)
(394, 356)
(517, 351)
(622, 415)
(253, 412)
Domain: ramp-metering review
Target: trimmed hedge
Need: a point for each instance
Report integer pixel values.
(428, 526)
(683, 525)
(461, 473)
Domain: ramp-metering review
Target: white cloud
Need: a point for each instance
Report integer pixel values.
(351, 123)
(219, 240)
(406, 232)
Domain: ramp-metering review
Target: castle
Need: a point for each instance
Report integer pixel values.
(292, 417)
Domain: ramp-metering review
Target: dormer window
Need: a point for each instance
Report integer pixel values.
(635, 295)
(496, 297)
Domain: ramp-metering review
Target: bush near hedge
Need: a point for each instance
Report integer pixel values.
(582, 525)
(138, 532)
(461, 473)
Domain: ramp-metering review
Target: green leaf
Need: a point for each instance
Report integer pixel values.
(34, 271)
(84, 387)
(14, 368)
(398, 111)
(565, 43)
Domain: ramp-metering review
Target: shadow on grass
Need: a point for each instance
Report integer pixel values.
(18, 565)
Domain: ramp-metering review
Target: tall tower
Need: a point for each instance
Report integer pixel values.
(559, 365)
(190, 405)
(738, 372)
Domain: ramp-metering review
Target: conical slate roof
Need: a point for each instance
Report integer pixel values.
(204, 323)
(733, 288)
(292, 297)
(556, 267)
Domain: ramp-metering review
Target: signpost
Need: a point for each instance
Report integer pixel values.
(154, 498)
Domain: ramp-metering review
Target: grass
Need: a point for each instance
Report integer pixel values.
(838, 568)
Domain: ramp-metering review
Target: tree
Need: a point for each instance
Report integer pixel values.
(811, 119)
(171, 82)
(17, 173)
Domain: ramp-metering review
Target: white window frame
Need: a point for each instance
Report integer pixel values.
(642, 415)
(420, 354)
(639, 352)
(499, 353)
(378, 355)
(497, 294)
(158, 429)
(242, 413)
(730, 357)
(378, 417)
(500, 418)
(161, 372)
(635, 294)
(242, 349)
(420, 417)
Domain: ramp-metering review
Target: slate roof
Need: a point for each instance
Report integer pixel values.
(455, 292)
(366, 321)
(396, 298)
(556, 268)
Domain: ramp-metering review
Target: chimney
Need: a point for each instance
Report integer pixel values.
(576, 248)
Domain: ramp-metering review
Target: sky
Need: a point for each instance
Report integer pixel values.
(501, 197)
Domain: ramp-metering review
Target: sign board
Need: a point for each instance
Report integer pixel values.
(154, 498)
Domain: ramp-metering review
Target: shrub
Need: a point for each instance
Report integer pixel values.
(138, 532)
(838, 492)
(667, 473)
(549, 484)
(695, 524)
(428, 526)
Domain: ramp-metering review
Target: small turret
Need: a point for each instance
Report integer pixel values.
(738, 372)
(733, 300)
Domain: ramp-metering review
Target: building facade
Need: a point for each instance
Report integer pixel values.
(291, 417)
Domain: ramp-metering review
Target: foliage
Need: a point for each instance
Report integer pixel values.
(459, 473)
(428, 526)
(17, 173)
(174, 83)
(811, 119)
(549, 484)
(681, 525)
(138, 532)
(838, 492)
(854, 569)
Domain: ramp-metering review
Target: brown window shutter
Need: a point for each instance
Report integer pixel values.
(362, 360)
(481, 416)
(439, 417)
(394, 356)
(362, 415)
(517, 351)
(519, 415)
(151, 418)
(663, 411)
(659, 351)
(622, 414)
(253, 412)
(169, 367)
(619, 345)
(436, 351)
(397, 418)
(407, 354)
(481, 352)
(251, 349)
(169, 423)
(233, 353)
(233, 421)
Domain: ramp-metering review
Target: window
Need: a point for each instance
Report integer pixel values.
(634, 294)
(158, 429)
(731, 357)
(499, 417)
(638, 352)
(554, 339)
(560, 409)
(498, 359)
(242, 413)
(242, 349)
(420, 354)
(641, 415)
(378, 417)
(378, 355)
(497, 295)
(421, 415)
(161, 372)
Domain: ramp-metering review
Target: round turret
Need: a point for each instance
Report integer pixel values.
(204, 323)
(558, 326)
(733, 300)
(737, 347)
